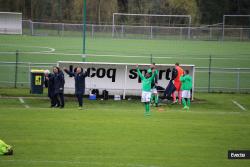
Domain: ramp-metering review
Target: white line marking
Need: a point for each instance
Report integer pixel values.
(40, 47)
(22, 101)
(26, 106)
(240, 106)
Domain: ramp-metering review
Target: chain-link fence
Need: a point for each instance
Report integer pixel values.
(222, 79)
(213, 32)
(206, 79)
(17, 74)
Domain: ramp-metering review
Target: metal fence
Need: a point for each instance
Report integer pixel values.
(212, 32)
(17, 74)
(206, 79)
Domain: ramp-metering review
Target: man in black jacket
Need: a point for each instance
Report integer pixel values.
(49, 83)
(59, 87)
(79, 76)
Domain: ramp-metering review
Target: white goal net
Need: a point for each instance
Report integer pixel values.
(10, 23)
(236, 27)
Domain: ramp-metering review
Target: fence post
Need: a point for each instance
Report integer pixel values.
(209, 74)
(151, 58)
(29, 79)
(238, 80)
(58, 29)
(210, 33)
(16, 69)
(31, 28)
(122, 36)
(62, 34)
(180, 32)
(151, 32)
(92, 31)
(241, 34)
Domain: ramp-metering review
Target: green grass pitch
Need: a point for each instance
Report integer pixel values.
(224, 54)
(108, 133)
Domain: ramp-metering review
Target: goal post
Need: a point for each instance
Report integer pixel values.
(232, 16)
(189, 17)
(10, 23)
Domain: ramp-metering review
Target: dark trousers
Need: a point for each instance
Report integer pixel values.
(59, 99)
(80, 99)
(52, 100)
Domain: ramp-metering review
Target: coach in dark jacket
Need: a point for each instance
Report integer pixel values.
(49, 83)
(79, 76)
(59, 87)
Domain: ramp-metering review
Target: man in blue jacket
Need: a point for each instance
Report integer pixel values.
(79, 76)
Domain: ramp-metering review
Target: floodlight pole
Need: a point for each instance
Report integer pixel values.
(84, 31)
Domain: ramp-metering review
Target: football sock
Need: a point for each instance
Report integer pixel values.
(146, 107)
(188, 102)
(152, 98)
(184, 102)
(156, 99)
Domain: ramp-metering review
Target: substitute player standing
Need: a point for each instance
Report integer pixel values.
(146, 88)
(177, 83)
(186, 86)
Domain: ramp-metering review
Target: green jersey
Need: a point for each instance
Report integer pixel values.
(3, 147)
(186, 82)
(155, 79)
(146, 82)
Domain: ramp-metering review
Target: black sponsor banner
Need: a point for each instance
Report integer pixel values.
(239, 154)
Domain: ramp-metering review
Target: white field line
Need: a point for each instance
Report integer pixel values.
(40, 47)
(22, 101)
(75, 162)
(240, 106)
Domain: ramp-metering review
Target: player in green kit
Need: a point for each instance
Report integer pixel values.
(146, 88)
(154, 96)
(186, 86)
(5, 149)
